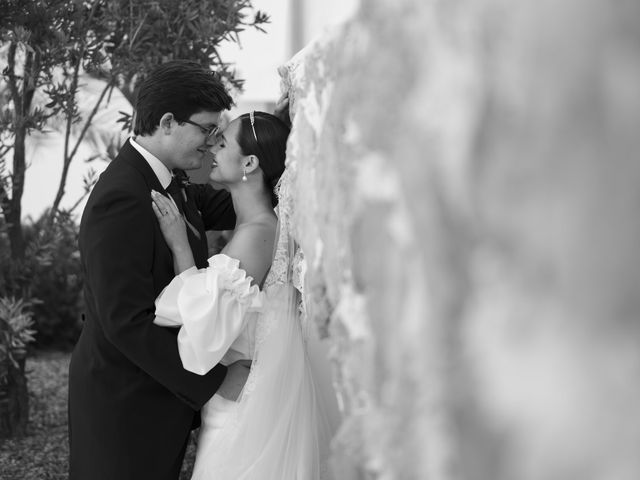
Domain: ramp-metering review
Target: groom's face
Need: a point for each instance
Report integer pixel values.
(191, 140)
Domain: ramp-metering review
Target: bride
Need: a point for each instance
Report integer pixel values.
(243, 307)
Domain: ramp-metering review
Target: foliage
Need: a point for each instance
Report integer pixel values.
(49, 43)
(143, 34)
(56, 280)
(15, 334)
(50, 275)
(16, 330)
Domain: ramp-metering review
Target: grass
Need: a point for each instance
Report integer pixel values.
(43, 453)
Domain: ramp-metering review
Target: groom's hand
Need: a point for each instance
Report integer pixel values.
(282, 109)
(233, 383)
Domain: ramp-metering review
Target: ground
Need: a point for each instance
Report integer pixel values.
(42, 454)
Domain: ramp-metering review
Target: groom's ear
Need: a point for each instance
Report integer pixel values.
(166, 123)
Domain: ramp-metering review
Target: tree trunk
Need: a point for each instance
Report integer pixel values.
(12, 216)
(14, 396)
(12, 207)
(127, 88)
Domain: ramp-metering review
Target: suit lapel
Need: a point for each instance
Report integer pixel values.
(199, 247)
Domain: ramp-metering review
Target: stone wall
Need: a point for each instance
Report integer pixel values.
(466, 182)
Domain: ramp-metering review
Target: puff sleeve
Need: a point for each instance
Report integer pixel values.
(209, 306)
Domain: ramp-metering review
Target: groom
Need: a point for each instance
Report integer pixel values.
(131, 404)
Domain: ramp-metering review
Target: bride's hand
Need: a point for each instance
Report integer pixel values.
(234, 381)
(171, 222)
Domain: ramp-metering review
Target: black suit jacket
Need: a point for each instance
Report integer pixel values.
(131, 404)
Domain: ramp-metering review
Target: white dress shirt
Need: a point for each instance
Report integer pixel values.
(160, 169)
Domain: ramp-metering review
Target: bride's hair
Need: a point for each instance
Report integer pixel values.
(267, 140)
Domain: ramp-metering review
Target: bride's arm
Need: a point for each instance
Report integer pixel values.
(174, 230)
(209, 305)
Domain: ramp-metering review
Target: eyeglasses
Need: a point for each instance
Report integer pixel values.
(253, 120)
(208, 131)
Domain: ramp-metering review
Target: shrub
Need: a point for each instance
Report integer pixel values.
(16, 332)
(16, 322)
(56, 281)
(50, 276)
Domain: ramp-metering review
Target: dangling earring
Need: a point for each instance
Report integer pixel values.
(244, 174)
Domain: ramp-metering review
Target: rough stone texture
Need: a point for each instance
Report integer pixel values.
(465, 176)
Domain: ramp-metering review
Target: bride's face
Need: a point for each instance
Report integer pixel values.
(226, 165)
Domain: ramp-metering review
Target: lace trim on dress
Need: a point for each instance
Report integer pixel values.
(279, 273)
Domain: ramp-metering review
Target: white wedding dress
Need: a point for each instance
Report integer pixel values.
(278, 429)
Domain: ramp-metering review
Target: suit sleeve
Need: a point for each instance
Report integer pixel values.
(215, 207)
(118, 250)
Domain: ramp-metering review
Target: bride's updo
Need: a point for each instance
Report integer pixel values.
(267, 140)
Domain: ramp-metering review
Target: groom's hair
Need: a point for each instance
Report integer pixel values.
(181, 87)
(269, 144)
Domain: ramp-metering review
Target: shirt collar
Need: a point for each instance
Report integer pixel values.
(159, 168)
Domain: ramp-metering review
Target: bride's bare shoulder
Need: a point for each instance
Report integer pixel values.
(252, 245)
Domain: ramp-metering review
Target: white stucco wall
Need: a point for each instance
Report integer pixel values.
(465, 178)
